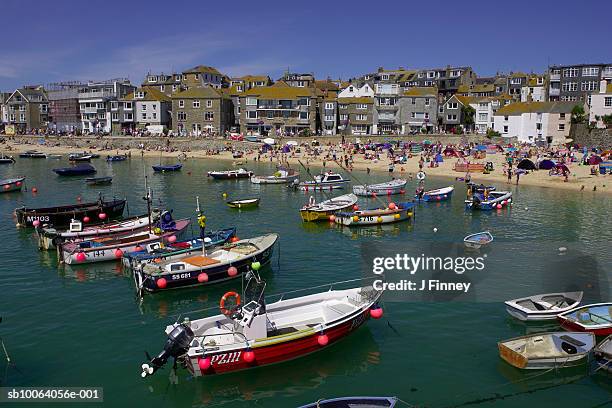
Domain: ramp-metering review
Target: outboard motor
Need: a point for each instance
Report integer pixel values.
(176, 345)
(166, 223)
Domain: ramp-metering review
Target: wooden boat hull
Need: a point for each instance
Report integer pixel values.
(216, 272)
(251, 203)
(322, 186)
(525, 309)
(603, 354)
(11, 185)
(162, 169)
(478, 240)
(595, 318)
(99, 181)
(230, 176)
(389, 188)
(60, 217)
(360, 218)
(68, 253)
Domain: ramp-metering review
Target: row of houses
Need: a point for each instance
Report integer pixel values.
(202, 100)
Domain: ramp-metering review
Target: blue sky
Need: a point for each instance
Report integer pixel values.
(81, 40)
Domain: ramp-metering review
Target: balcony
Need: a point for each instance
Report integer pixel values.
(90, 110)
(554, 92)
(555, 77)
(386, 117)
(606, 74)
(97, 94)
(386, 107)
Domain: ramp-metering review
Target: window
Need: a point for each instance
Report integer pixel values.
(344, 117)
(562, 116)
(101, 116)
(455, 74)
(570, 72)
(195, 127)
(139, 95)
(252, 114)
(115, 116)
(608, 101)
(429, 83)
(431, 74)
(451, 117)
(251, 101)
(384, 77)
(505, 129)
(453, 105)
(413, 101)
(413, 115)
(590, 71)
(209, 103)
(22, 117)
(143, 116)
(362, 117)
(43, 108)
(426, 115)
(569, 86)
(196, 76)
(239, 88)
(154, 115)
(515, 81)
(196, 103)
(144, 106)
(441, 109)
(329, 118)
(270, 114)
(174, 88)
(362, 106)
(304, 102)
(162, 88)
(182, 116)
(482, 117)
(127, 105)
(538, 126)
(588, 86)
(561, 126)
(209, 116)
(426, 101)
(181, 103)
(329, 105)
(505, 118)
(343, 106)
(421, 74)
(303, 115)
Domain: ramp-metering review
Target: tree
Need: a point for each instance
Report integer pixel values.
(492, 133)
(578, 115)
(468, 116)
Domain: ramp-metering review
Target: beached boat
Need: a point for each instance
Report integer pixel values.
(230, 174)
(603, 354)
(245, 203)
(12, 184)
(33, 154)
(488, 200)
(326, 181)
(162, 168)
(49, 237)
(400, 212)
(395, 186)
(112, 247)
(260, 332)
(354, 402)
(6, 159)
(252, 138)
(80, 157)
(62, 216)
(440, 194)
(547, 350)
(282, 176)
(98, 180)
(223, 263)
(116, 158)
(78, 170)
(595, 318)
(157, 251)
(543, 307)
(321, 211)
(478, 240)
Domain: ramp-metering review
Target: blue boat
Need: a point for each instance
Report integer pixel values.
(78, 170)
(440, 194)
(170, 167)
(488, 200)
(116, 158)
(180, 247)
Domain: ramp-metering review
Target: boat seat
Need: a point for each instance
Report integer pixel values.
(572, 340)
(200, 260)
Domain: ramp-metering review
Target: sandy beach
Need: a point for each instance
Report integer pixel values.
(580, 178)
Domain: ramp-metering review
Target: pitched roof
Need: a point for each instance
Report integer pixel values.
(362, 100)
(253, 78)
(464, 100)
(202, 69)
(150, 94)
(325, 85)
(518, 108)
(422, 91)
(478, 88)
(198, 92)
(609, 88)
(280, 90)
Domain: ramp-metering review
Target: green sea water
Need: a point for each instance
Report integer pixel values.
(83, 326)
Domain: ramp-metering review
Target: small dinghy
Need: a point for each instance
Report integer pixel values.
(253, 331)
(6, 159)
(326, 181)
(12, 184)
(603, 354)
(78, 170)
(246, 203)
(33, 154)
(162, 168)
(547, 350)
(543, 307)
(354, 402)
(223, 263)
(389, 188)
(314, 211)
(282, 176)
(440, 194)
(488, 200)
(116, 158)
(595, 318)
(98, 180)
(399, 212)
(230, 174)
(478, 240)
(80, 157)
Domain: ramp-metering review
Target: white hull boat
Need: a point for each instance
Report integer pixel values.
(389, 188)
(543, 307)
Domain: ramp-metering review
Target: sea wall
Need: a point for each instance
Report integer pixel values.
(601, 138)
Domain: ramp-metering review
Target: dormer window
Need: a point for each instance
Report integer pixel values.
(139, 95)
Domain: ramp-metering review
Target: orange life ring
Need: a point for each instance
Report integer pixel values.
(224, 299)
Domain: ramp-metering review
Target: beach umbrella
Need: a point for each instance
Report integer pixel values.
(427, 142)
(439, 158)
(546, 164)
(526, 164)
(481, 148)
(292, 143)
(269, 141)
(511, 149)
(562, 167)
(594, 160)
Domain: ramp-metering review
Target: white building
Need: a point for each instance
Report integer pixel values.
(601, 104)
(353, 91)
(95, 100)
(535, 89)
(532, 122)
(485, 108)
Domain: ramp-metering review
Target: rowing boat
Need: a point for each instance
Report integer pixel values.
(547, 350)
(12, 184)
(543, 307)
(116, 158)
(321, 211)
(478, 240)
(98, 180)
(440, 194)
(395, 186)
(595, 318)
(378, 216)
(246, 203)
(603, 354)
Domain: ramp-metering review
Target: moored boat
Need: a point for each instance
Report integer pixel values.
(49, 237)
(543, 307)
(282, 176)
(314, 211)
(116, 158)
(230, 174)
(325, 181)
(354, 402)
(33, 154)
(162, 168)
(12, 184)
(80, 157)
(260, 332)
(62, 216)
(399, 212)
(6, 159)
(223, 263)
(488, 200)
(595, 318)
(112, 247)
(244, 203)
(478, 240)
(603, 354)
(547, 350)
(78, 170)
(395, 186)
(98, 180)
(440, 194)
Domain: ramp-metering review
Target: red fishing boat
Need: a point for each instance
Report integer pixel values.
(256, 334)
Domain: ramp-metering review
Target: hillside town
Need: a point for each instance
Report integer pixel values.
(203, 102)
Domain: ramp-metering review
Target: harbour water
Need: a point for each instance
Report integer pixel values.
(83, 326)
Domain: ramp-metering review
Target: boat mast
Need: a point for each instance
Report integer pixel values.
(147, 196)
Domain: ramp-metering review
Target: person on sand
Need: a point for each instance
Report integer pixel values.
(518, 174)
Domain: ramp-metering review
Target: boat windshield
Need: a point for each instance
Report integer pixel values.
(254, 290)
